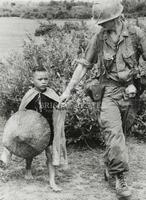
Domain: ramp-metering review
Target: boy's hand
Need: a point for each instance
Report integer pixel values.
(64, 99)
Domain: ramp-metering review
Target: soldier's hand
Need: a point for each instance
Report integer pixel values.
(64, 99)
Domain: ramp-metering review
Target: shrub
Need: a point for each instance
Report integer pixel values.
(13, 84)
(134, 8)
(56, 53)
(65, 10)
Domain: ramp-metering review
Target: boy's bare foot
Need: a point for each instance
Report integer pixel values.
(28, 175)
(55, 187)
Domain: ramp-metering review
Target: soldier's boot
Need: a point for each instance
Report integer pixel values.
(122, 189)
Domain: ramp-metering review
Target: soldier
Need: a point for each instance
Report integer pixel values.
(117, 47)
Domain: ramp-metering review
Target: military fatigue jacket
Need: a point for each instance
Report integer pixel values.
(118, 60)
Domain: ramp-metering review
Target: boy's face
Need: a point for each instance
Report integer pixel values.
(40, 80)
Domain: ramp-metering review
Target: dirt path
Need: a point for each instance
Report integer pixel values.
(82, 181)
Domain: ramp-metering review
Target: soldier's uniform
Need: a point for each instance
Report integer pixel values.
(118, 64)
(118, 60)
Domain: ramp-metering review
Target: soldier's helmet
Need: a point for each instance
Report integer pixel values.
(106, 10)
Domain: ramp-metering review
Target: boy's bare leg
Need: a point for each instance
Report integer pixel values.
(51, 169)
(28, 174)
(5, 158)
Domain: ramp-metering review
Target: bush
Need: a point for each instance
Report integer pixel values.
(56, 53)
(81, 123)
(134, 8)
(65, 10)
(13, 84)
(46, 29)
(138, 129)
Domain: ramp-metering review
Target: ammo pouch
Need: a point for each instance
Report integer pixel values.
(95, 90)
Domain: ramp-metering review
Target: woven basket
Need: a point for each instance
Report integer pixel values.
(26, 134)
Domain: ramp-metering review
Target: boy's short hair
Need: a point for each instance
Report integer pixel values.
(38, 69)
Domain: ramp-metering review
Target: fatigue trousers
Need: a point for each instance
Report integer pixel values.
(113, 108)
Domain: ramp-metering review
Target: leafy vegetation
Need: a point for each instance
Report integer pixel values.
(134, 8)
(57, 52)
(65, 9)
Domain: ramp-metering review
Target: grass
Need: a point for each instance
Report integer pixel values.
(83, 180)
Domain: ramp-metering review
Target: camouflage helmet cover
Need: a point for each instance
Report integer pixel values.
(106, 10)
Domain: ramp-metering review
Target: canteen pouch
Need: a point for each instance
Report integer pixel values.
(95, 90)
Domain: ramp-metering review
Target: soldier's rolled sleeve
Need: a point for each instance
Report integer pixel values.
(91, 53)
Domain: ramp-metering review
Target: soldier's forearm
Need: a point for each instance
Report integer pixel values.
(78, 74)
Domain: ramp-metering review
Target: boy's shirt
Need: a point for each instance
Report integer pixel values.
(44, 105)
(30, 95)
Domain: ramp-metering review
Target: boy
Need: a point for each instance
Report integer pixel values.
(43, 100)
